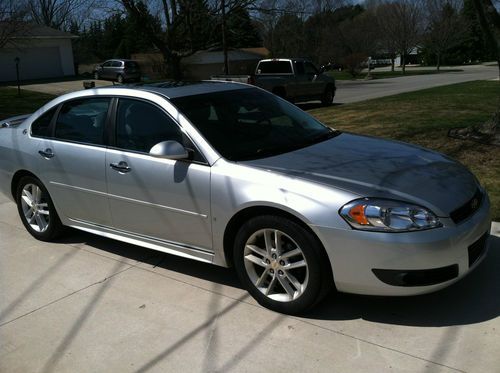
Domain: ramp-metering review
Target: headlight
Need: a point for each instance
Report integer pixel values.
(388, 216)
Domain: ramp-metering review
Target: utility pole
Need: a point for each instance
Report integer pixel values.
(224, 41)
(17, 60)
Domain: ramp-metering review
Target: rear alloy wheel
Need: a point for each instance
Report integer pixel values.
(279, 262)
(36, 209)
(119, 79)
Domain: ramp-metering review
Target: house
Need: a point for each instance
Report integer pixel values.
(204, 64)
(43, 52)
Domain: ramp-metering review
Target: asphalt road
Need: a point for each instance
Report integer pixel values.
(89, 304)
(358, 90)
(347, 91)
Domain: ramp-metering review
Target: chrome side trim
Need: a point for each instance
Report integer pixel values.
(180, 211)
(165, 246)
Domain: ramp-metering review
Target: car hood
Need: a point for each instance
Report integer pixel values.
(372, 167)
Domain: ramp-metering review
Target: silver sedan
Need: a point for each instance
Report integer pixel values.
(232, 175)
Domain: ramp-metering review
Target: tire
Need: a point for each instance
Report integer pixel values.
(290, 280)
(96, 76)
(120, 79)
(45, 224)
(328, 96)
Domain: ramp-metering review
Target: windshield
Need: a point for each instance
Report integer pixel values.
(246, 124)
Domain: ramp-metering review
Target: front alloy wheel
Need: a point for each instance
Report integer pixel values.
(281, 264)
(276, 265)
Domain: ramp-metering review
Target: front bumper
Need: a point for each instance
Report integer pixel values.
(406, 260)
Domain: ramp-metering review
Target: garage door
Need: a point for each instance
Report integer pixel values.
(35, 63)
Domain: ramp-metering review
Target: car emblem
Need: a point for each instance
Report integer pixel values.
(474, 204)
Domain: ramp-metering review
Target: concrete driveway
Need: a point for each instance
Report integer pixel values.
(89, 304)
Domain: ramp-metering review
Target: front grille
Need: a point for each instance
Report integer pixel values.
(476, 250)
(467, 209)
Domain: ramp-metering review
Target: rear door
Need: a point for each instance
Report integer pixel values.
(71, 159)
(160, 199)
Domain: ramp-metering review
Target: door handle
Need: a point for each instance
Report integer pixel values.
(120, 167)
(47, 153)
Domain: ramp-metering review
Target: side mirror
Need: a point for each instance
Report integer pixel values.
(326, 67)
(169, 150)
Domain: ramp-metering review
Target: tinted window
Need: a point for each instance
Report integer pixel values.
(107, 63)
(41, 126)
(140, 126)
(310, 68)
(249, 123)
(116, 64)
(83, 120)
(275, 67)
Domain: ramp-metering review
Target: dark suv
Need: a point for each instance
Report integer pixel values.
(119, 70)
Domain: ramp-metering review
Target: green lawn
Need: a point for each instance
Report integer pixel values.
(424, 118)
(344, 75)
(13, 104)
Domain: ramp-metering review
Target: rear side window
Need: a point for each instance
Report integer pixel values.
(41, 126)
(274, 67)
(299, 66)
(116, 64)
(83, 120)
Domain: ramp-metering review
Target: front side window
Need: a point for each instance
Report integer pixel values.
(41, 126)
(248, 123)
(107, 63)
(141, 125)
(311, 69)
(83, 120)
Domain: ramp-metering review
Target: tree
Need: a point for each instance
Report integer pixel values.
(359, 39)
(183, 30)
(489, 18)
(235, 25)
(12, 22)
(288, 36)
(401, 21)
(58, 14)
(445, 30)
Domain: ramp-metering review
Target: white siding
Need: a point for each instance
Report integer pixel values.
(39, 58)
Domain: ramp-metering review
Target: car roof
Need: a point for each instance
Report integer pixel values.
(187, 88)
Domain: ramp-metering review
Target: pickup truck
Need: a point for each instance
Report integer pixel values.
(295, 79)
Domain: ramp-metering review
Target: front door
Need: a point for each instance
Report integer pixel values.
(156, 198)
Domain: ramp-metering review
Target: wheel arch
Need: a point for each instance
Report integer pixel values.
(247, 213)
(18, 175)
